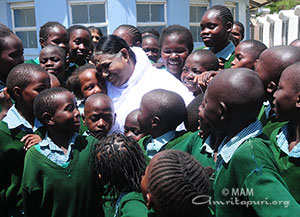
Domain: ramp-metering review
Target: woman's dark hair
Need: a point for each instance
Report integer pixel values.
(133, 32)
(120, 162)
(179, 30)
(175, 180)
(44, 30)
(97, 29)
(112, 44)
(224, 12)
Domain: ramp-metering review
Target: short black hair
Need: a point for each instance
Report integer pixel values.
(150, 36)
(121, 163)
(210, 60)
(4, 33)
(150, 31)
(133, 32)
(75, 27)
(255, 48)
(60, 50)
(46, 102)
(21, 76)
(45, 29)
(191, 123)
(224, 13)
(242, 28)
(179, 30)
(176, 179)
(97, 29)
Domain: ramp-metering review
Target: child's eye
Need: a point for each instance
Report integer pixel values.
(211, 26)
(197, 72)
(70, 108)
(55, 59)
(185, 69)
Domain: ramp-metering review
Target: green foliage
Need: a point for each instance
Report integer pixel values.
(275, 7)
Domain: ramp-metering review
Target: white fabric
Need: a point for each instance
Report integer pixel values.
(145, 78)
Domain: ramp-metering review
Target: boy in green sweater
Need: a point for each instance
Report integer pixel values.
(62, 183)
(18, 131)
(286, 139)
(160, 113)
(247, 180)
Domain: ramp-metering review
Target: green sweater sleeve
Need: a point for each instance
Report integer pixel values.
(133, 205)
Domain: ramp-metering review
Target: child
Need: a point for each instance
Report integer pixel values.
(62, 183)
(84, 82)
(96, 34)
(130, 34)
(99, 115)
(120, 164)
(132, 127)
(176, 44)
(11, 54)
(52, 33)
(54, 82)
(80, 42)
(237, 32)
(244, 161)
(176, 185)
(151, 47)
(24, 82)
(191, 123)
(216, 25)
(53, 59)
(269, 67)
(196, 63)
(160, 113)
(247, 54)
(150, 31)
(286, 139)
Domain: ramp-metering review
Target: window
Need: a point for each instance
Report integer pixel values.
(92, 13)
(232, 8)
(23, 23)
(151, 15)
(197, 10)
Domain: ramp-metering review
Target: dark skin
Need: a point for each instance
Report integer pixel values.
(132, 127)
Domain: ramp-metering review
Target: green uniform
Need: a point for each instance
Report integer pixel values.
(33, 61)
(252, 177)
(52, 190)
(132, 205)
(11, 168)
(289, 166)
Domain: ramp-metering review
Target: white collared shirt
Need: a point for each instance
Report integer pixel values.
(283, 144)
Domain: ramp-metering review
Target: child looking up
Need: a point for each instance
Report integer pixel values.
(196, 63)
(24, 82)
(247, 54)
(120, 165)
(160, 113)
(176, 44)
(286, 141)
(99, 115)
(216, 25)
(231, 104)
(176, 185)
(132, 127)
(130, 34)
(67, 185)
(53, 59)
(151, 47)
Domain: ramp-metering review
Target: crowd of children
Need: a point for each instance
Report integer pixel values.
(142, 124)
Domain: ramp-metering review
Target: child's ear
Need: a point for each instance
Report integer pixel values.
(48, 118)
(271, 88)
(298, 101)
(229, 27)
(17, 91)
(149, 201)
(125, 53)
(42, 43)
(223, 111)
(83, 119)
(155, 122)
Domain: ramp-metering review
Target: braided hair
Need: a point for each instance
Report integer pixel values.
(44, 31)
(175, 180)
(224, 12)
(133, 32)
(120, 162)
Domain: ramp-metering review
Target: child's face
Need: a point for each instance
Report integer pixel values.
(132, 127)
(57, 36)
(213, 33)
(90, 83)
(95, 37)
(236, 33)
(40, 81)
(192, 68)
(150, 46)
(11, 56)
(144, 116)
(80, 44)
(114, 68)
(243, 57)
(53, 62)
(66, 117)
(286, 98)
(99, 116)
(174, 52)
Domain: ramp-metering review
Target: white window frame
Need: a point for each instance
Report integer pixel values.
(146, 24)
(22, 5)
(198, 4)
(88, 2)
(232, 5)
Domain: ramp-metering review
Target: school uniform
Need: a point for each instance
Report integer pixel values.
(12, 129)
(60, 185)
(288, 161)
(268, 119)
(35, 61)
(247, 173)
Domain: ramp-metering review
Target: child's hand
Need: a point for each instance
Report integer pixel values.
(5, 103)
(204, 78)
(30, 140)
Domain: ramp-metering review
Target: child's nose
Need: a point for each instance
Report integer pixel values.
(101, 122)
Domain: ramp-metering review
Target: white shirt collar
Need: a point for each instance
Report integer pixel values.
(283, 144)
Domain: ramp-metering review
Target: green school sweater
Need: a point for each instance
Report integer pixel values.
(289, 166)
(249, 181)
(51, 190)
(179, 136)
(132, 205)
(11, 168)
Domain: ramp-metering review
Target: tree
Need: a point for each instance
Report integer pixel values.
(277, 6)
